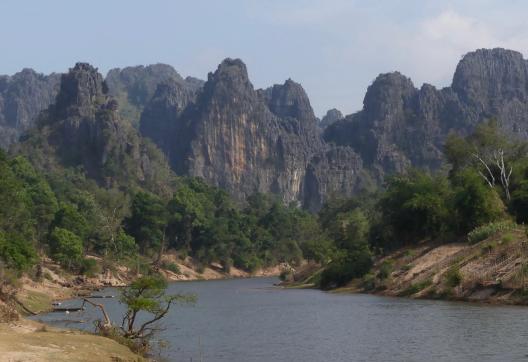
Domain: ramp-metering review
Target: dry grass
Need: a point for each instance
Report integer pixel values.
(30, 341)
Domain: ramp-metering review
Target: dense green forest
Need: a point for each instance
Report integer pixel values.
(65, 215)
(483, 188)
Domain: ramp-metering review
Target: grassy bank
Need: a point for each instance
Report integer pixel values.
(493, 268)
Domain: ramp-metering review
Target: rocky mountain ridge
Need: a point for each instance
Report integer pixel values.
(249, 140)
(22, 97)
(83, 130)
(401, 126)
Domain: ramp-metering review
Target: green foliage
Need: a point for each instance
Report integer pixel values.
(485, 231)
(89, 267)
(385, 270)
(173, 267)
(453, 277)
(148, 221)
(475, 203)
(416, 287)
(148, 295)
(69, 218)
(415, 206)
(124, 245)
(66, 247)
(16, 252)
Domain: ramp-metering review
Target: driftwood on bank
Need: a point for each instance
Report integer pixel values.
(107, 322)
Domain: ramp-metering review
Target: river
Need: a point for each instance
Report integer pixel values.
(251, 320)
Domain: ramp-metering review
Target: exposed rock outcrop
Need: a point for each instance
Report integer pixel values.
(332, 115)
(401, 126)
(268, 140)
(248, 141)
(83, 129)
(134, 87)
(22, 97)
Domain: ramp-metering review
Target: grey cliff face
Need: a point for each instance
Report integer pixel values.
(22, 97)
(134, 87)
(268, 140)
(244, 140)
(83, 129)
(332, 115)
(400, 125)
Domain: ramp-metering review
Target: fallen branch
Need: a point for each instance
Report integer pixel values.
(107, 322)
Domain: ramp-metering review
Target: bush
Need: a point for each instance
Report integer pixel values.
(416, 287)
(485, 231)
(369, 282)
(173, 267)
(66, 247)
(385, 270)
(347, 266)
(89, 267)
(508, 238)
(16, 253)
(453, 277)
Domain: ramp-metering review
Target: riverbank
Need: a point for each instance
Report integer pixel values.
(25, 340)
(55, 284)
(29, 341)
(492, 270)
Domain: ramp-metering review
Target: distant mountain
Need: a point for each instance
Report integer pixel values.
(133, 87)
(22, 97)
(401, 126)
(83, 129)
(332, 115)
(246, 140)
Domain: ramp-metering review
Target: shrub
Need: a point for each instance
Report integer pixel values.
(453, 277)
(173, 267)
(16, 252)
(485, 231)
(89, 267)
(347, 266)
(416, 287)
(66, 247)
(385, 270)
(508, 238)
(369, 282)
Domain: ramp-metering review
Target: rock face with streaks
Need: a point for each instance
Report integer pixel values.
(83, 129)
(134, 87)
(22, 97)
(401, 126)
(332, 115)
(248, 140)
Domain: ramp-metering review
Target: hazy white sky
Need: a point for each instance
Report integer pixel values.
(334, 48)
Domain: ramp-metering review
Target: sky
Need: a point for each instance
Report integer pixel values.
(334, 48)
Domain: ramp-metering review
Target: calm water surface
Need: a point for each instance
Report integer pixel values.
(251, 320)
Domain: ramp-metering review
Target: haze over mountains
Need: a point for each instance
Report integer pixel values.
(246, 140)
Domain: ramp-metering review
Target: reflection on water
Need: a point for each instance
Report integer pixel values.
(250, 320)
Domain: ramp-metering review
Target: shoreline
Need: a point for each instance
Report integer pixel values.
(33, 340)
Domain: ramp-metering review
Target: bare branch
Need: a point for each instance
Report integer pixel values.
(491, 179)
(107, 323)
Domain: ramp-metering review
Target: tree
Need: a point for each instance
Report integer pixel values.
(474, 203)
(489, 152)
(43, 203)
(16, 252)
(414, 206)
(66, 247)
(148, 221)
(147, 295)
(69, 218)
